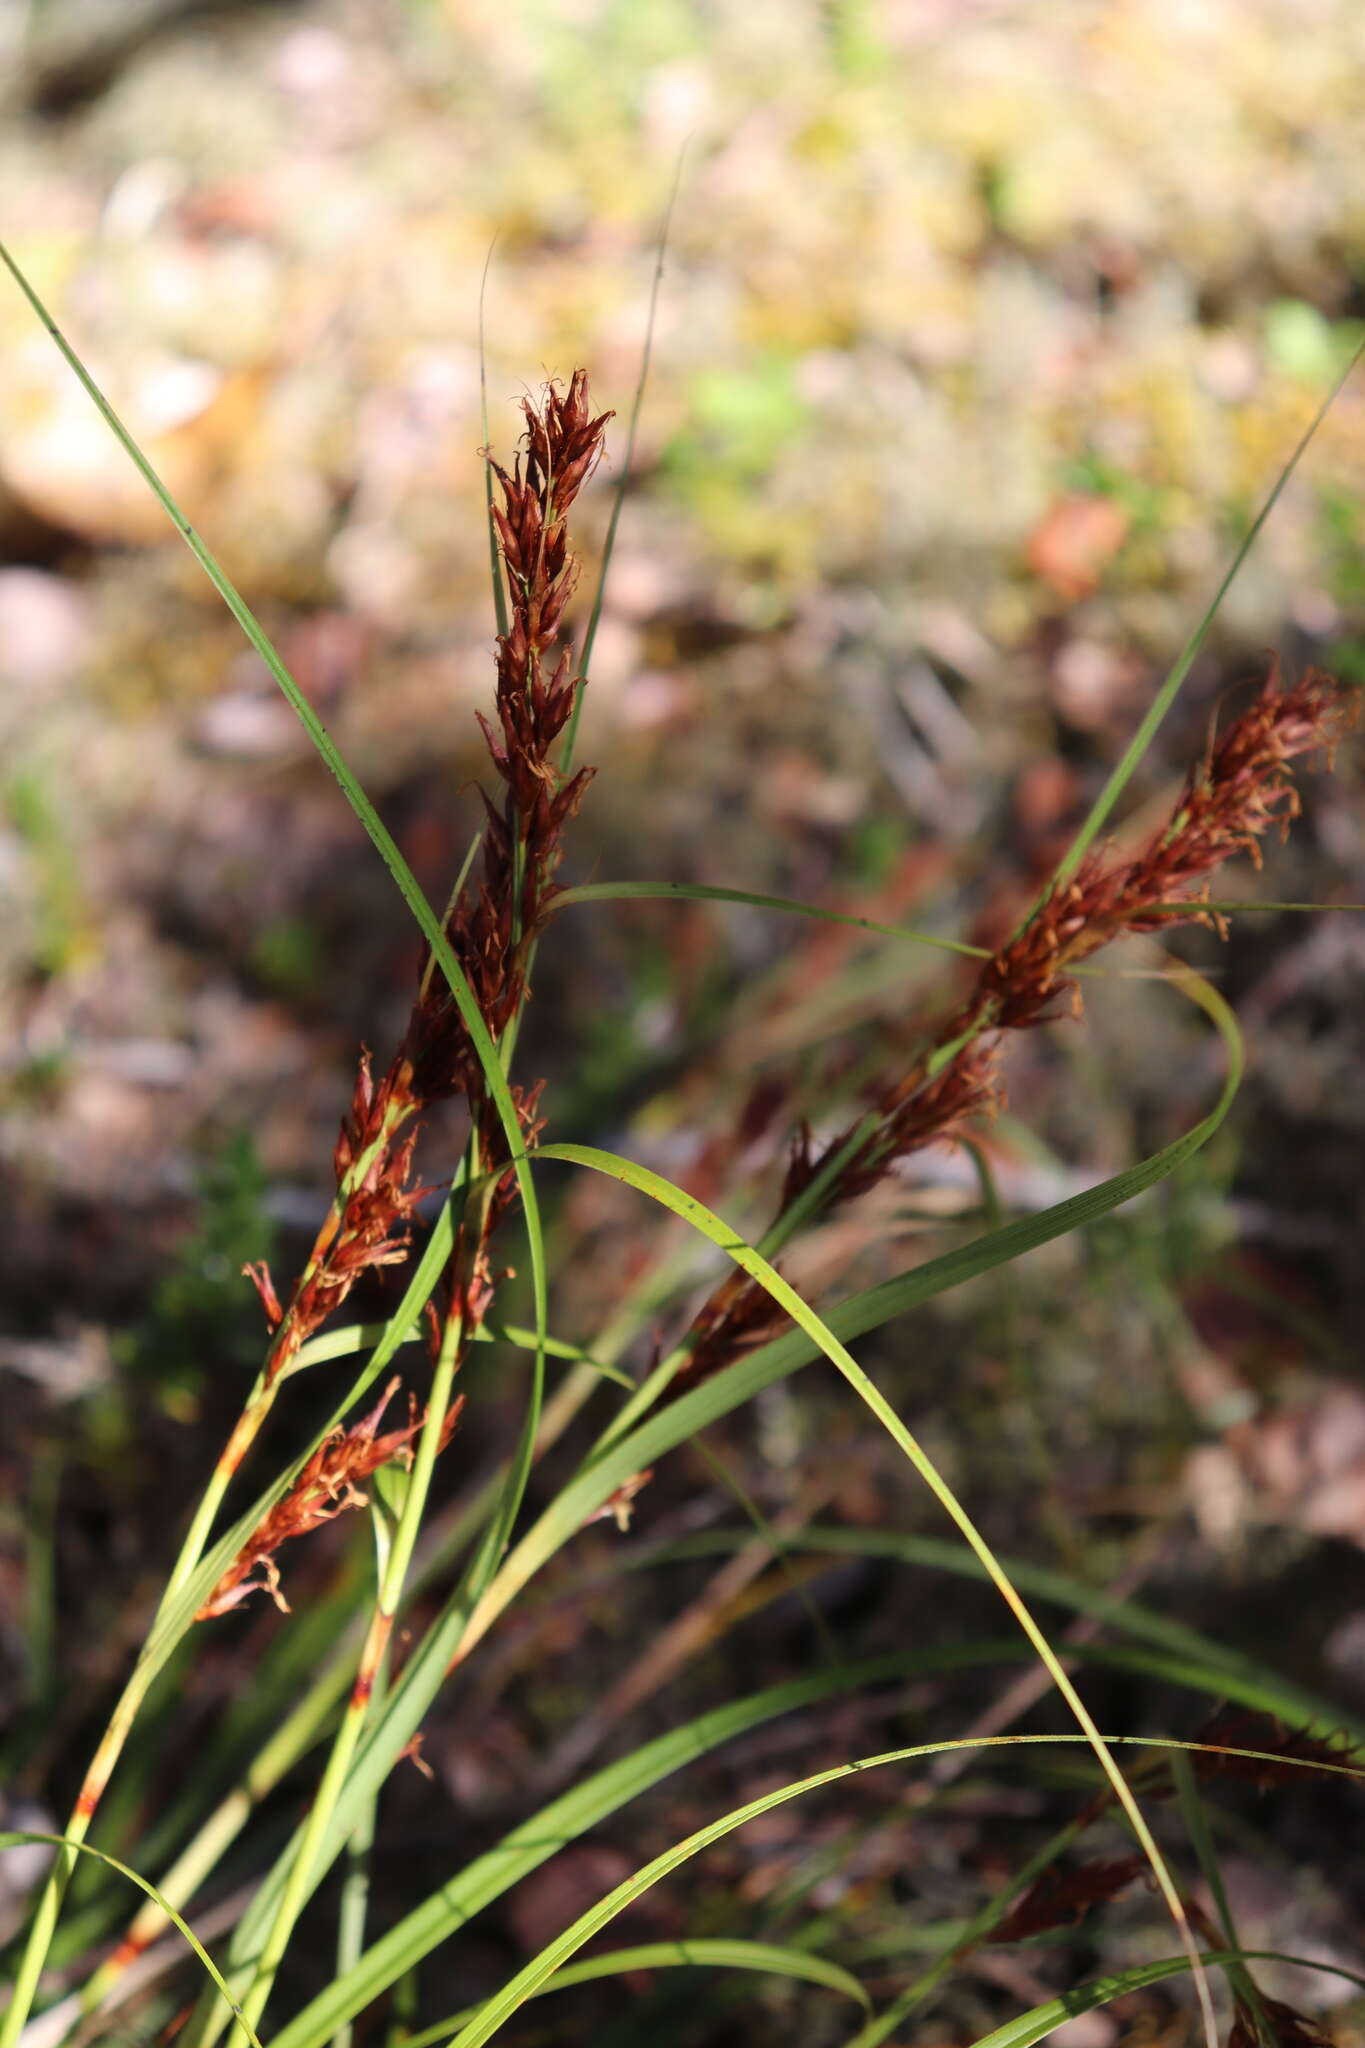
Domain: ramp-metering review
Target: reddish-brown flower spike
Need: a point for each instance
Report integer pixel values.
(1240, 789)
(1284, 1751)
(1063, 1898)
(328, 1484)
(371, 1230)
(1290, 2029)
(492, 929)
(564, 441)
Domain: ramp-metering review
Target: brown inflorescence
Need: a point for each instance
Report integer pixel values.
(1283, 1753)
(1062, 1898)
(328, 1484)
(491, 928)
(1288, 2028)
(367, 1226)
(493, 931)
(1240, 790)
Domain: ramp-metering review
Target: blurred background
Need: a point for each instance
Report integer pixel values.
(982, 332)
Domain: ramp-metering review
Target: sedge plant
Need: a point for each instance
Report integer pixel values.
(443, 1578)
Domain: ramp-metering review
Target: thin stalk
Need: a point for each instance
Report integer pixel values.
(291, 1740)
(355, 1889)
(371, 1659)
(1201, 1839)
(571, 733)
(705, 892)
(261, 1399)
(259, 1403)
(296, 1736)
(1156, 712)
(786, 1297)
(806, 1204)
(456, 891)
(45, 1919)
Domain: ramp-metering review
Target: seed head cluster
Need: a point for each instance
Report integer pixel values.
(1240, 790)
(492, 928)
(328, 1484)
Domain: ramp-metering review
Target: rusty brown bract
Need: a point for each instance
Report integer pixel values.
(328, 1484)
(1241, 789)
(493, 930)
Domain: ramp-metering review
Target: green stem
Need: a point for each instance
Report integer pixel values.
(36, 1949)
(248, 1425)
(355, 1900)
(291, 1740)
(797, 1212)
(261, 1399)
(297, 1735)
(355, 1889)
(376, 1643)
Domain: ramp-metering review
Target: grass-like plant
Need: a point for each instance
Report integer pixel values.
(445, 1581)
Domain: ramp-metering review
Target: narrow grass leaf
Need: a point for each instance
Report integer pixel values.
(698, 892)
(1041, 2020)
(557, 1952)
(1196, 1820)
(15, 1838)
(585, 1805)
(495, 1080)
(1220, 1669)
(652, 1438)
(707, 1951)
(582, 1807)
(353, 1337)
(804, 1316)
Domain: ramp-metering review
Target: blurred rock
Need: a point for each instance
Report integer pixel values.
(44, 632)
(246, 725)
(1074, 543)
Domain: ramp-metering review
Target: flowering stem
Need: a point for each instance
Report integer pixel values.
(569, 443)
(372, 1655)
(355, 1891)
(248, 1425)
(291, 1740)
(296, 1735)
(273, 1372)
